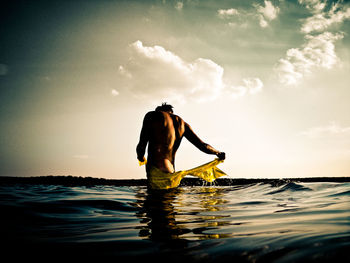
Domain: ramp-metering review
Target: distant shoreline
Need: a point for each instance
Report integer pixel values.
(91, 181)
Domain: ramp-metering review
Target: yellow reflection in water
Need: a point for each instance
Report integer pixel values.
(181, 213)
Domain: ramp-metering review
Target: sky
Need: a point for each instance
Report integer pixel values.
(267, 82)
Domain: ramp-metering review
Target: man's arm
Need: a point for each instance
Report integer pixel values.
(194, 139)
(144, 138)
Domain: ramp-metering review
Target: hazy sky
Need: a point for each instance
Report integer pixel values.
(265, 81)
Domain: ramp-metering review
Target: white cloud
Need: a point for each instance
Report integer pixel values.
(179, 6)
(159, 73)
(317, 52)
(250, 86)
(313, 5)
(124, 72)
(267, 13)
(238, 25)
(332, 129)
(3, 70)
(156, 73)
(225, 13)
(263, 23)
(321, 21)
(287, 72)
(264, 13)
(253, 85)
(114, 92)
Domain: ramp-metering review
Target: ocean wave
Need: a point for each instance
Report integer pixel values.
(256, 222)
(290, 187)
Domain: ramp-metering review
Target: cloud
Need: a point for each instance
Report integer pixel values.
(225, 13)
(3, 70)
(156, 73)
(114, 92)
(250, 86)
(179, 6)
(321, 21)
(287, 72)
(124, 72)
(238, 25)
(332, 129)
(317, 52)
(313, 5)
(266, 13)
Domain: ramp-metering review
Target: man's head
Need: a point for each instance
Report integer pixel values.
(165, 107)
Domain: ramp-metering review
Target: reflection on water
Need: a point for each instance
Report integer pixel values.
(172, 214)
(257, 222)
(286, 222)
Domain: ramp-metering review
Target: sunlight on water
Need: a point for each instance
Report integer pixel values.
(257, 222)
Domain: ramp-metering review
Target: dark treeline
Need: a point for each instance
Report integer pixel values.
(90, 181)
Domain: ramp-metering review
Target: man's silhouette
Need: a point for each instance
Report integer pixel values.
(163, 131)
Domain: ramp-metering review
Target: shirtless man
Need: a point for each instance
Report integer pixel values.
(163, 131)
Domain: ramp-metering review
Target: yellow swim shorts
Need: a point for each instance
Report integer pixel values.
(161, 180)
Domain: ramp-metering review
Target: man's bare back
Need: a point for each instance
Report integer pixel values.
(163, 131)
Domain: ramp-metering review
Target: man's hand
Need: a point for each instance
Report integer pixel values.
(143, 162)
(141, 159)
(221, 155)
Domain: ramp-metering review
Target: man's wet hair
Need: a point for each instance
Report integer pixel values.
(165, 107)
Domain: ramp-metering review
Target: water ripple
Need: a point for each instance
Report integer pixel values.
(285, 222)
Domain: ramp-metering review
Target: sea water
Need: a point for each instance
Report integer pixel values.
(261, 222)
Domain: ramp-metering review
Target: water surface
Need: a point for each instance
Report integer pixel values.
(283, 222)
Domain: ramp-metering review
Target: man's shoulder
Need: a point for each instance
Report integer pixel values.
(153, 115)
(150, 113)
